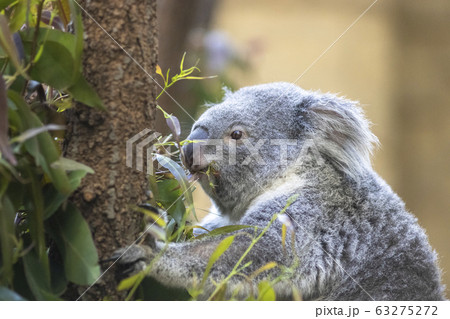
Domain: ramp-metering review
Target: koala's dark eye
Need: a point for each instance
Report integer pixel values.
(236, 135)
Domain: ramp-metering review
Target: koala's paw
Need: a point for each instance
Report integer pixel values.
(131, 260)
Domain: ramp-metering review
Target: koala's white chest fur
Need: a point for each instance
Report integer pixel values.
(289, 185)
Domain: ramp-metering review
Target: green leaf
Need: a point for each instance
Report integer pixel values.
(5, 148)
(67, 40)
(7, 171)
(35, 204)
(266, 292)
(154, 216)
(74, 240)
(159, 72)
(129, 282)
(20, 16)
(63, 10)
(78, 26)
(169, 195)
(261, 269)
(37, 277)
(170, 228)
(223, 230)
(178, 172)
(42, 146)
(221, 248)
(7, 43)
(84, 93)
(182, 62)
(172, 122)
(58, 277)
(177, 211)
(53, 199)
(5, 3)
(7, 236)
(55, 66)
(35, 131)
(60, 62)
(9, 295)
(166, 115)
(70, 165)
(20, 282)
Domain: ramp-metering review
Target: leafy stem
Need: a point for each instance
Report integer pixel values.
(185, 74)
(236, 268)
(140, 276)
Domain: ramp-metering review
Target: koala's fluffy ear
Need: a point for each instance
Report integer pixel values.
(340, 131)
(227, 92)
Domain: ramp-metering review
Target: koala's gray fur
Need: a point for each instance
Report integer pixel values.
(354, 238)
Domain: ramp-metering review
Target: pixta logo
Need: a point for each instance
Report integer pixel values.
(140, 149)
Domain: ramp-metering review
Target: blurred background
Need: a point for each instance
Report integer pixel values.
(395, 60)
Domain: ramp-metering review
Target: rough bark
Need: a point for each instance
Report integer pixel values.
(98, 139)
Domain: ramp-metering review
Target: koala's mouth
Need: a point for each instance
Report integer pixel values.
(207, 172)
(197, 173)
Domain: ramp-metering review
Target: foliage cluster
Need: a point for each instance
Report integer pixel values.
(45, 241)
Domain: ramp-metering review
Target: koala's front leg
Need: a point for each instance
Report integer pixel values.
(182, 265)
(131, 260)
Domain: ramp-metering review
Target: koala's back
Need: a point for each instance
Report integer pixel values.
(392, 259)
(385, 253)
(358, 242)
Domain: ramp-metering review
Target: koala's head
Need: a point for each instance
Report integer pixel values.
(259, 133)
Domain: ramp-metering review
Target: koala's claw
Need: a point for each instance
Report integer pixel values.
(131, 260)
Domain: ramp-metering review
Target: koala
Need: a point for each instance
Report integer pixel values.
(352, 238)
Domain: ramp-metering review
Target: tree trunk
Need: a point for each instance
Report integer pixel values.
(98, 139)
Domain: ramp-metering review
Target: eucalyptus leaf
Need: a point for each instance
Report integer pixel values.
(5, 149)
(74, 240)
(221, 248)
(261, 269)
(35, 131)
(78, 26)
(8, 45)
(37, 277)
(54, 199)
(266, 292)
(68, 164)
(42, 146)
(84, 93)
(129, 282)
(58, 277)
(178, 172)
(223, 230)
(7, 235)
(20, 16)
(35, 205)
(67, 40)
(170, 197)
(63, 10)
(55, 66)
(5, 3)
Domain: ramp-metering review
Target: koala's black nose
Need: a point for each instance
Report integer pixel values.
(188, 149)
